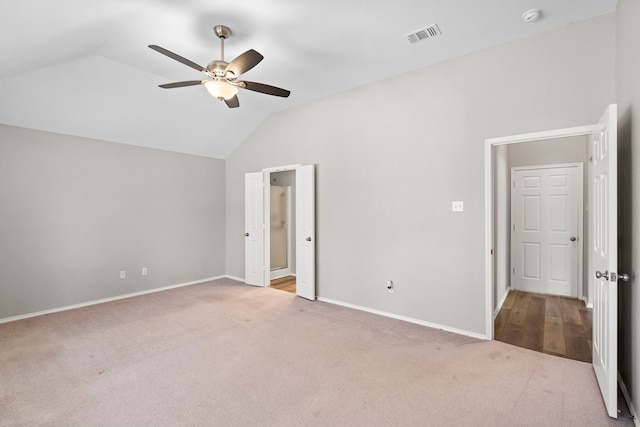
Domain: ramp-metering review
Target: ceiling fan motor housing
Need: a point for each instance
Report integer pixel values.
(216, 68)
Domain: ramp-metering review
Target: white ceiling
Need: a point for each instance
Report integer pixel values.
(83, 68)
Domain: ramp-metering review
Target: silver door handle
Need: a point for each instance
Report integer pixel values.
(308, 239)
(246, 234)
(624, 277)
(600, 275)
(573, 239)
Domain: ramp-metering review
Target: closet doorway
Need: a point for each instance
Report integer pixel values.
(294, 231)
(282, 230)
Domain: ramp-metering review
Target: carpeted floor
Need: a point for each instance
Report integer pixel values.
(226, 354)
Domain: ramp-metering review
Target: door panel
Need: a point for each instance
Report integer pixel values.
(604, 227)
(305, 232)
(254, 229)
(545, 217)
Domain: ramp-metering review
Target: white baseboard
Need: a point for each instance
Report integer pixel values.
(101, 301)
(501, 303)
(405, 318)
(239, 279)
(627, 399)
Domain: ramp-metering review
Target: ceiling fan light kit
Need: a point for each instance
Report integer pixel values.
(223, 83)
(221, 90)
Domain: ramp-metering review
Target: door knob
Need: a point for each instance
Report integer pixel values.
(624, 277)
(246, 234)
(308, 239)
(573, 239)
(600, 275)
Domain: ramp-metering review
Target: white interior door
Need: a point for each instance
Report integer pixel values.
(545, 235)
(254, 229)
(305, 232)
(604, 229)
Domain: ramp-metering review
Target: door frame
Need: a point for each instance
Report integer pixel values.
(489, 216)
(579, 285)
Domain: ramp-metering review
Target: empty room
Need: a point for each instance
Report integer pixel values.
(338, 213)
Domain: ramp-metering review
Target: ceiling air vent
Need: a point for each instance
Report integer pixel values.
(423, 34)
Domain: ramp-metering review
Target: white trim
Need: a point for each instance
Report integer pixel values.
(239, 279)
(501, 303)
(280, 273)
(627, 398)
(404, 318)
(103, 300)
(488, 202)
(540, 136)
(282, 168)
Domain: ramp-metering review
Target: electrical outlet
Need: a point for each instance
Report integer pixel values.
(390, 286)
(123, 274)
(144, 271)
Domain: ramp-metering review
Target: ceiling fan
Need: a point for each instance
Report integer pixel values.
(223, 83)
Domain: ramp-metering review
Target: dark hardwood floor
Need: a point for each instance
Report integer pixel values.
(550, 324)
(287, 283)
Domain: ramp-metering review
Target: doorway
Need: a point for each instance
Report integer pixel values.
(602, 258)
(293, 231)
(282, 230)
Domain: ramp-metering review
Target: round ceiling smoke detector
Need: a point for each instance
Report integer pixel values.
(532, 15)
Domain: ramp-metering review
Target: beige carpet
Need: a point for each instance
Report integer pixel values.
(222, 354)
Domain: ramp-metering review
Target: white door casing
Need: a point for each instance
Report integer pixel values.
(254, 229)
(546, 223)
(604, 229)
(305, 232)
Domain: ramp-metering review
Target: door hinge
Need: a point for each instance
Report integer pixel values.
(513, 270)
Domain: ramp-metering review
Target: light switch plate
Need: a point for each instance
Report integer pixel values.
(457, 206)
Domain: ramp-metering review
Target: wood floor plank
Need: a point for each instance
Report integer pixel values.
(287, 283)
(553, 306)
(577, 345)
(510, 300)
(559, 326)
(518, 314)
(570, 313)
(554, 336)
(533, 336)
(512, 334)
(500, 322)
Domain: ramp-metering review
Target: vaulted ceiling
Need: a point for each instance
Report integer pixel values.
(83, 68)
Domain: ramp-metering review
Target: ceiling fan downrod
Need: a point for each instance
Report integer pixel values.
(223, 32)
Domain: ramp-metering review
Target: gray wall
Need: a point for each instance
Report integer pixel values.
(551, 151)
(76, 211)
(628, 95)
(392, 156)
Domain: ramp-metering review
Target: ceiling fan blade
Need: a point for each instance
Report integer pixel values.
(232, 102)
(182, 84)
(178, 58)
(244, 62)
(263, 88)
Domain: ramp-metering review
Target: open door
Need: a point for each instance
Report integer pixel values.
(305, 233)
(254, 229)
(604, 228)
